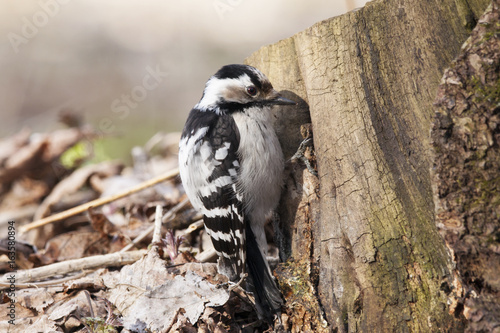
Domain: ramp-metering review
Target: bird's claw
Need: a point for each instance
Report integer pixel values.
(299, 155)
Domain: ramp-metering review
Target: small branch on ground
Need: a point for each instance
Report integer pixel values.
(70, 266)
(157, 226)
(99, 202)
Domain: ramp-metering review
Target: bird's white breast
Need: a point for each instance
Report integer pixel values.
(262, 163)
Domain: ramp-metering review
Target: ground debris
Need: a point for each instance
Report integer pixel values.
(97, 270)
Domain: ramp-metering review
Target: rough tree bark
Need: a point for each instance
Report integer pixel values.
(361, 247)
(466, 173)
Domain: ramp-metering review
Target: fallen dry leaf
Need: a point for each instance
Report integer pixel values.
(148, 297)
(30, 323)
(74, 182)
(78, 244)
(37, 299)
(24, 191)
(101, 224)
(77, 306)
(38, 153)
(9, 146)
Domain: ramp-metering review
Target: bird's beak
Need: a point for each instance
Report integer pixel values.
(282, 101)
(277, 99)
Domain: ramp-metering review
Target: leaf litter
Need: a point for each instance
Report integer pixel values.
(85, 257)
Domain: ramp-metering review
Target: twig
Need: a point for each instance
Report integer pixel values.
(172, 212)
(87, 294)
(157, 230)
(51, 283)
(168, 216)
(207, 255)
(139, 238)
(245, 296)
(69, 266)
(99, 202)
(238, 284)
(195, 226)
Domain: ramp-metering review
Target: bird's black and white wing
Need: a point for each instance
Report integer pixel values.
(209, 170)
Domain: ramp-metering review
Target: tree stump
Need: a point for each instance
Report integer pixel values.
(364, 232)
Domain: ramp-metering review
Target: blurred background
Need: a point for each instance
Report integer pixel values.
(131, 68)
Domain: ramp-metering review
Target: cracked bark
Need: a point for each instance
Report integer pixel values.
(364, 232)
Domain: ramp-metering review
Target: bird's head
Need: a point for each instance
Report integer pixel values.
(237, 87)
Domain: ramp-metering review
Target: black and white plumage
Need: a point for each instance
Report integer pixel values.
(231, 167)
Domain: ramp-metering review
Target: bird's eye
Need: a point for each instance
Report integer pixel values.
(251, 91)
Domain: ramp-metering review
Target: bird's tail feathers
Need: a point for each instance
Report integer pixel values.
(268, 296)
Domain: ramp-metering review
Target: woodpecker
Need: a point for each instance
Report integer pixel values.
(231, 166)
